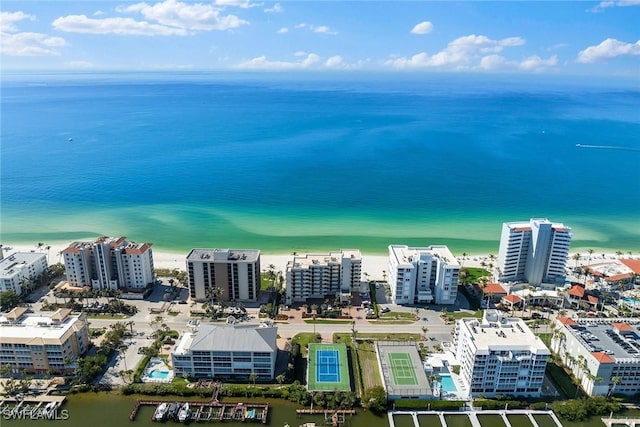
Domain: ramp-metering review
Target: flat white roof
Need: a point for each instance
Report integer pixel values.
(34, 325)
(223, 255)
(14, 263)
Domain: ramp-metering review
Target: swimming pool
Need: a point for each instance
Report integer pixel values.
(447, 384)
(631, 301)
(158, 375)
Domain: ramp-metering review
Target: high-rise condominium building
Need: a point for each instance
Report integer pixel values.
(500, 355)
(20, 269)
(534, 251)
(38, 342)
(323, 275)
(109, 263)
(233, 273)
(423, 275)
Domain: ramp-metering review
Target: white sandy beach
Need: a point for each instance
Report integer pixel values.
(372, 264)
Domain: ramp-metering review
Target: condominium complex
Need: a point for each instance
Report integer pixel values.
(42, 342)
(323, 275)
(423, 275)
(19, 269)
(499, 355)
(604, 354)
(109, 263)
(534, 251)
(233, 351)
(235, 273)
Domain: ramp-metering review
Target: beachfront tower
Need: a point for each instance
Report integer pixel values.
(534, 251)
(20, 270)
(499, 355)
(323, 276)
(109, 263)
(233, 273)
(423, 275)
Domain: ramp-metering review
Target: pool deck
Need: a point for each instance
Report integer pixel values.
(473, 416)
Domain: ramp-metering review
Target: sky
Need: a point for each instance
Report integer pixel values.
(543, 37)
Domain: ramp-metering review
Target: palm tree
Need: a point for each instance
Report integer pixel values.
(354, 334)
(280, 379)
(615, 381)
(424, 331)
(253, 377)
(576, 258)
(619, 253)
(590, 253)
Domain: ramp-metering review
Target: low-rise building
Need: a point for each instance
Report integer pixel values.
(229, 351)
(42, 342)
(323, 275)
(423, 275)
(233, 273)
(604, 354)
(20, 270)
(499, 355)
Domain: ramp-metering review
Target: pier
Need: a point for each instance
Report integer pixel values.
(629, 422)
(473, 417)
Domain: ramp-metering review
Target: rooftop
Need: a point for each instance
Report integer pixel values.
(15, 262)
(308, 260)
(498, 333)
(20, 324)
(406, 255)
(619, 340)
(229, 337)
(224, 255)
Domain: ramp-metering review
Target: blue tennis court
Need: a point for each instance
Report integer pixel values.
(327, 366)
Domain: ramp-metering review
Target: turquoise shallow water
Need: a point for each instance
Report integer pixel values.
(323, 163)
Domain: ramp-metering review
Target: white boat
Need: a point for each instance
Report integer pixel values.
(184, 413)
(49, 409)
(160, 412)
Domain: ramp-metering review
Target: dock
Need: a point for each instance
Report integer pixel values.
(214, 410)
(325, 411)
(630, 422)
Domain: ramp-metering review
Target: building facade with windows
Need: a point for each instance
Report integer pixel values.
(20, 270)
(323, 275)
(604, 354)
(234, 273)
(109, 263)
(423, 275)
(534, 251)
(229, 351)
(499, 355)
(42, 343)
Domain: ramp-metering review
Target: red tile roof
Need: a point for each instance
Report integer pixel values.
(577, 291)
(602, 357)
(512, 298)
(633, 264)
(521, 229)
(592, 299)
(623, 326)
(566, 321)
(494, 288)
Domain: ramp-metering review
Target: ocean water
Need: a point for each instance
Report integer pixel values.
(316, 162)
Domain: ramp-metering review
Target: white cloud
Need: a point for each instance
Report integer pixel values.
(8, 19)
(609, 48)
(277, 8)
(533, 63)
(16, 43)
(614, 3)
(425, 27)
(321, 29)
(262, 63)
(459, 53)
(120, 26)
(187, 16)
(243, 4)
(98, 13)
(30, 44)
(283, 30)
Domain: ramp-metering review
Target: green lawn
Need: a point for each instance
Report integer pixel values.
(369, 365)
(392, 322)
(391, 337)
(397, 315)
(265, 282)
(475, 273)
(562, 380)
(462, 314)
(303, 339)
(328, 321)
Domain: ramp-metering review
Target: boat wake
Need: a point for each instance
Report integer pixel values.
(608, 147)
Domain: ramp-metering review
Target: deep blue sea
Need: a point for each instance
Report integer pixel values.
(317, 162)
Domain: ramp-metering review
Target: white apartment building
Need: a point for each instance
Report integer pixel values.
(20, 268)
(323, 275)
(109, 263)
(235, 271)
(42, 342)
(534, 251)
(604, 354)
(423, 275)
(500, 355)
(233, 351)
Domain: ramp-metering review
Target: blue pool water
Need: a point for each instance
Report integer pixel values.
(447, 384)
(158, 375)
(631, 301)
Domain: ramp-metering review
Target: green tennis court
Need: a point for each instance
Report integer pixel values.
(328, 368)
(402, 369)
